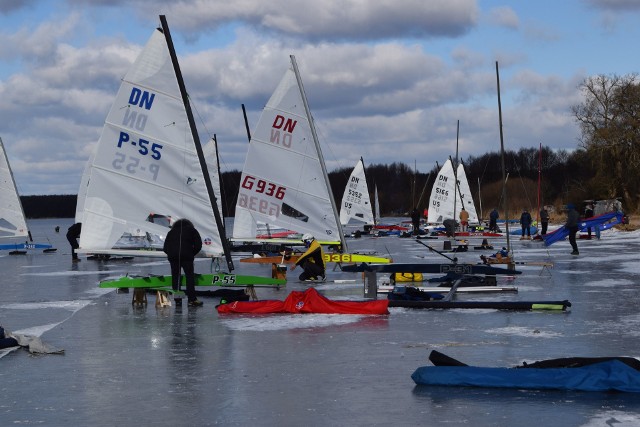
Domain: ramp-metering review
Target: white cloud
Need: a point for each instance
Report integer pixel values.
(393, 100)
(317, 20)
(505, 17)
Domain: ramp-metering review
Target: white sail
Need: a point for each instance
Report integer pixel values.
(82, 190)
(146, 165)
(441, 205)
(283, 181)
(210, 151)
(377, 207)
(356, 203)
(464, 196)
(12, 219)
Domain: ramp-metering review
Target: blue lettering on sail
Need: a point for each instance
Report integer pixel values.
(134, 120)
(141, 98)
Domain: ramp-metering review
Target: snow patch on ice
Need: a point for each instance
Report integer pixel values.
(66, 305)
(289, 321)
(614, 418)
(524, 332)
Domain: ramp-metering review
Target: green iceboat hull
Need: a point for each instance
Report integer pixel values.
(217, 279)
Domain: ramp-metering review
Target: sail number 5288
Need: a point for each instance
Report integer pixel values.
(261, 186)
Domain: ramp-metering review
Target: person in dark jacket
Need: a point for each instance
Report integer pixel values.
(415, 221)
(450, 227)
(73, 234)
(312, 261)
(588, 213)
(493, 220)
(573, 217)
(544, 220)
(182, 244)
(525, 222)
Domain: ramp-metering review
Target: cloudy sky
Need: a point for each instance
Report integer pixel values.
(387, 80)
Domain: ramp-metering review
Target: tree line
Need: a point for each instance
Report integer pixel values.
(603, 166)
(564, 178)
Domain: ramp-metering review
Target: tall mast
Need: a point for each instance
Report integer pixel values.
(196, 140)
(222, 205)
(246, 122)
(320, 157)
(539, 178)
(504, 178)
(480, 201)
(364, 171)
(455, 174)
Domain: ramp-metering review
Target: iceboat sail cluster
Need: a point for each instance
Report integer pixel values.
(148, 169)
(284, 181)
(444, 194)
(356, 203)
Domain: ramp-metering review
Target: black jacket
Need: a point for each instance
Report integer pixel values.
(183, 241)
(74, 231)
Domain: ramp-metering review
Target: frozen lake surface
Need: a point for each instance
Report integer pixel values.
(171, 366)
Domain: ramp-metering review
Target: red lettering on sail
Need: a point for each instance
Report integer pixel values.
(279, 122)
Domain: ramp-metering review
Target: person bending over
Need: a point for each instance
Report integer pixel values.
(312, 261)
(181, 245)
(73, 234)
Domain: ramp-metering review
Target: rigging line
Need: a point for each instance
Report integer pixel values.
(424, 187)
(517, 167)
(193, 107)
(323, 137)
(211, 136)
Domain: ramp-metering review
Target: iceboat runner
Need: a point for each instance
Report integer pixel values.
(13, 224)
(149, 164)
(296, 194)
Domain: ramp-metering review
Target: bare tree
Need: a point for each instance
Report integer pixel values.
(609, 120)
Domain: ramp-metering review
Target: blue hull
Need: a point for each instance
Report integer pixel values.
(603, 376)
(517, 230)
(24, 246)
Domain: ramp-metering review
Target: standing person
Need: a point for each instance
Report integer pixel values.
(493, 220)
(450, 226)
(525, 222)
(544, 219)
(415, 220)
(573, 217)
(181, 245)
(588, 213)
(464, 219)
(312, 261)
(73, 234)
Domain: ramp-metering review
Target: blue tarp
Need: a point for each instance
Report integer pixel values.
(603, 376)
(603, 221)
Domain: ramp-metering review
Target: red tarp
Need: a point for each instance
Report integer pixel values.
(309, 301)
